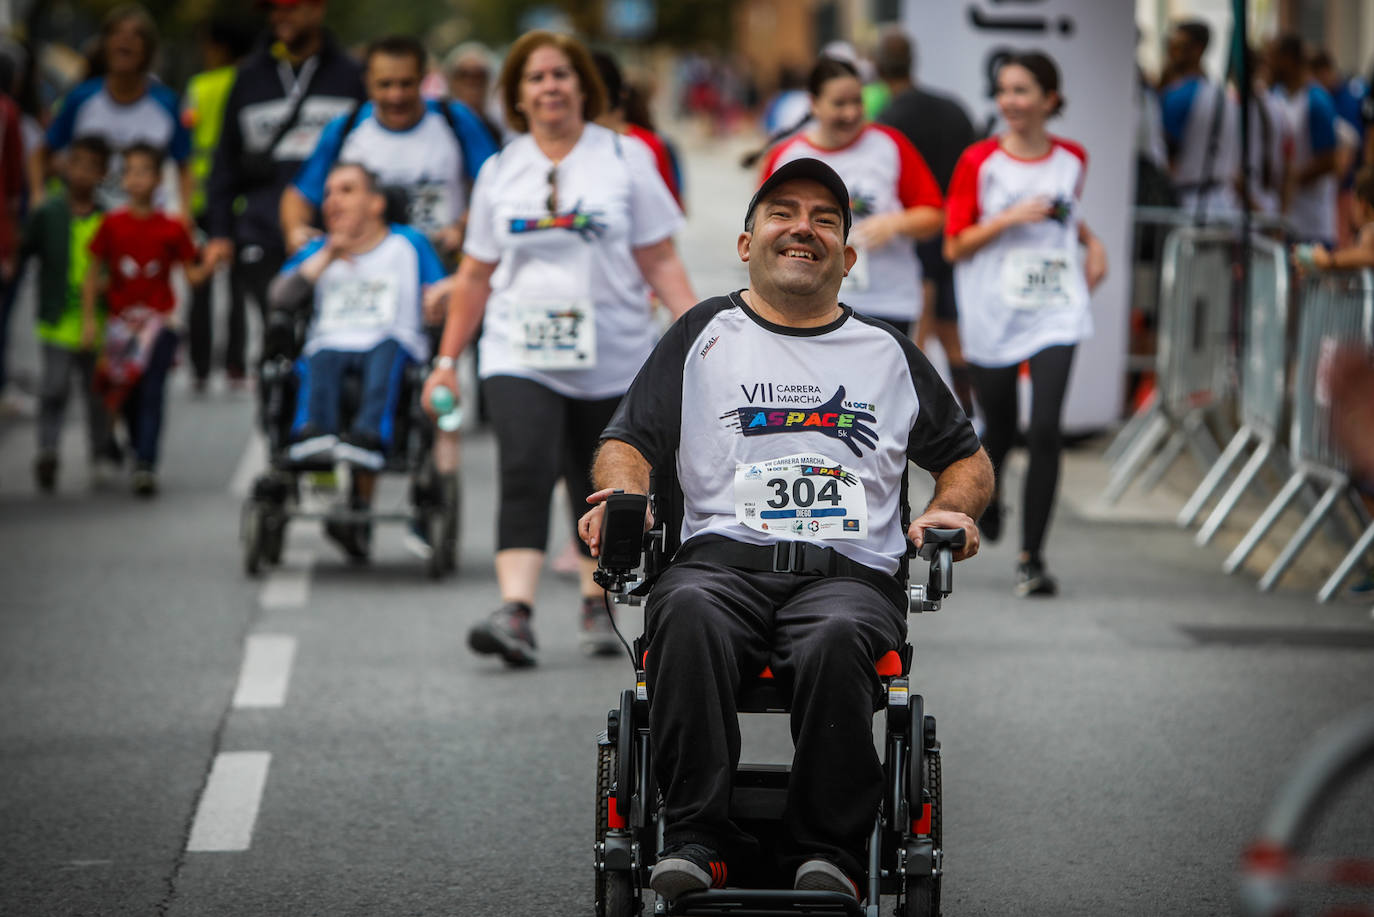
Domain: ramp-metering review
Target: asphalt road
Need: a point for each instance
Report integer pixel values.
(1110, 751)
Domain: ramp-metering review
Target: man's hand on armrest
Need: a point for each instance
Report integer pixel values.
(618, 466)
(962, 492)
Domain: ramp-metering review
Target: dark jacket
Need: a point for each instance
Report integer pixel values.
(257, 106)
(47, 236)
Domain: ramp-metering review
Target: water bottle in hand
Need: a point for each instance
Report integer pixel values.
(446, 406)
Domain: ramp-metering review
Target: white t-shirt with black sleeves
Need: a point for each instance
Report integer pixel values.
(569, 308)
(1025, 290)
(884, 174)
(792, 434)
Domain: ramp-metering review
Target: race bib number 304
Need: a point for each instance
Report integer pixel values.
(561, 336)
(1038, 278)
(801, 497)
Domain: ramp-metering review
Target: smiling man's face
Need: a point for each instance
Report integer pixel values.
(796, 249)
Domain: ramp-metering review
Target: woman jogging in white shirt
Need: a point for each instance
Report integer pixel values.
(1013, 233)
(892, 193)
(566, 234)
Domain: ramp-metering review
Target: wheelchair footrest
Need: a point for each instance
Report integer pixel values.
(753, 902)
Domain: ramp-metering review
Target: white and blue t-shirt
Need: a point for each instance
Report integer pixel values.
(429, 160)
(1204, 152)
(360, 302)
(1312, 122)
(153, 119)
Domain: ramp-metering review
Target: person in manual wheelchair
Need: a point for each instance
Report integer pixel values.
(787, 421)
(359, 292)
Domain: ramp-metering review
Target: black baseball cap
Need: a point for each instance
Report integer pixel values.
(812, 169)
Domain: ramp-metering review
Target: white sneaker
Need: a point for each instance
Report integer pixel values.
(15, 402)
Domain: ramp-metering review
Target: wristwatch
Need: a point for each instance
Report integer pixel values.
(443, 362)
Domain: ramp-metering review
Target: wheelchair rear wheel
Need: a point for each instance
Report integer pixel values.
(922, 892)
(615, 891)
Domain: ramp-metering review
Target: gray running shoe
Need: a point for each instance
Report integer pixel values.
(824, 876)
(507, 633)
(597, 636)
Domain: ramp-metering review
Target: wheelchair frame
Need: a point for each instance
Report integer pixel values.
(275, 496)
(905, 855)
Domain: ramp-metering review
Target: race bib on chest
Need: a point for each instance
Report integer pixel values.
(556, 335)
(357, 304)
(801, 497)
(1038, 278)
(857, 278)
(428, 207)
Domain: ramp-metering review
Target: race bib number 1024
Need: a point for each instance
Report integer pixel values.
(801, 497)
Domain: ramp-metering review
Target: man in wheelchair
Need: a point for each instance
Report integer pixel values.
(788, 421)
(362, 284)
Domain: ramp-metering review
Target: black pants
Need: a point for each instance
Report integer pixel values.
(996, 391)
(541, 436)
(249, 275)
(710, 626)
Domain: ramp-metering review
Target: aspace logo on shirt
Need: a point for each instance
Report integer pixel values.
(834, 417)
(585, 224)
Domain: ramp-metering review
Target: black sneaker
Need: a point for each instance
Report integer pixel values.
(145, 481)
(1033, 579)
(990, 523)
(596, 635)
(819, 875)
(353, 538)
(45, 472)
(507, 633)
(683, 868)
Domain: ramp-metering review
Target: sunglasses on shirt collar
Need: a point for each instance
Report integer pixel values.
(552, 201)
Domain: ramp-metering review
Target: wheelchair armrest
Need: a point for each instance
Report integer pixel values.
(622, 540)
(937, 547)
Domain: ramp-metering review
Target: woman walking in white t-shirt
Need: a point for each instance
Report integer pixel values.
(1013, 232)
(892, 193)
(568, 229)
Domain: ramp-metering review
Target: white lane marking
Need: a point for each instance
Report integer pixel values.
(251, 464)
(289, 585)
(266, 670)
(229, 806)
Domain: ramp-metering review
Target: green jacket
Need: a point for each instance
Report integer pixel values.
(47, 235)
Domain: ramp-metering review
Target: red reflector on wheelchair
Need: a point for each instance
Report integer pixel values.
(920, 825)
(890, 665)
(767, 672)
(613, 817)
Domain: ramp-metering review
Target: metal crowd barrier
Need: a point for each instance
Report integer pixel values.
(1192, 362)
(1150, 294)
(1263, 388)
(1336, 309)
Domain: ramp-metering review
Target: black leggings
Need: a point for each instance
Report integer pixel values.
(541, 436)
(995, 387)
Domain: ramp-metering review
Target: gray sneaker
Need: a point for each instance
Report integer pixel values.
(597, 636)
(507, 633)
(824, 876)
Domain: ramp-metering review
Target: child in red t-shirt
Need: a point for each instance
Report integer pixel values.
(136, 248)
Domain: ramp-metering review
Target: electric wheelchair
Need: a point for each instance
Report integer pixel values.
(905, 857)
(275, 497)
